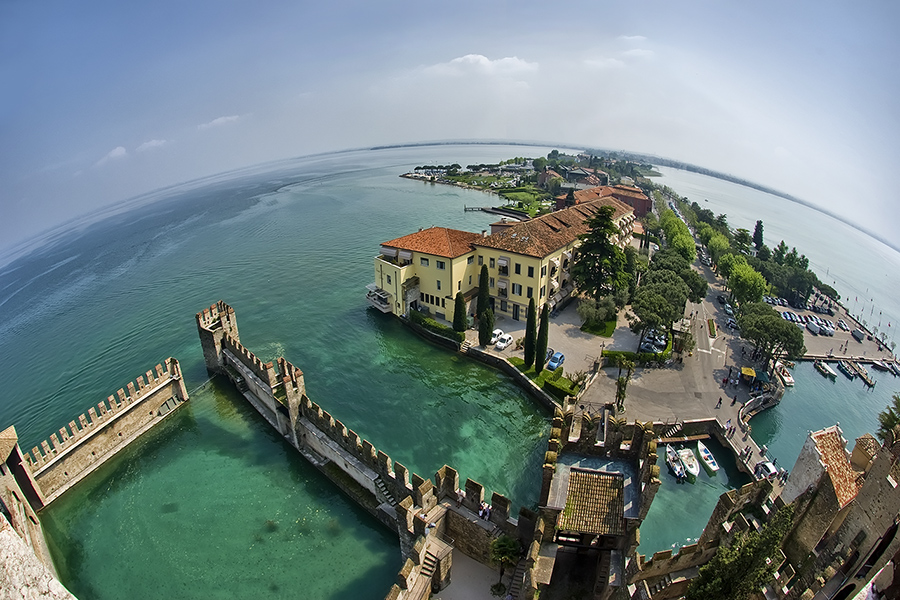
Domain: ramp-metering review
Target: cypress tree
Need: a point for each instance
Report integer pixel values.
(459, 313)
(484, 293)
(530, 334)
(485, 327)
(540, 352)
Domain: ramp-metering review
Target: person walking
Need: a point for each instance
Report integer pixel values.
(719, 403)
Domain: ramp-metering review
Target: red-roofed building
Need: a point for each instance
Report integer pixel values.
(529, 259)
(629, 195)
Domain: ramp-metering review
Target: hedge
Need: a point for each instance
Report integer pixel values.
(560, 388)
(433, 326)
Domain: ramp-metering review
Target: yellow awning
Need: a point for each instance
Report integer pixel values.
(748, 371)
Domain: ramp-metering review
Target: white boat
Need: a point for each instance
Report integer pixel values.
(674, 462)
(784, 374)
(690, 462)
(706, 458)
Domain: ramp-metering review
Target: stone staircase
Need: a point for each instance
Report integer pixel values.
(673, 430)
(379, 483)
(515, 586)
(429, 565)
(660, 585)
(465, 346)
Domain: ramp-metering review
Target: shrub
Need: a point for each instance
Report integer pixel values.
(560, 388)
(433, 326)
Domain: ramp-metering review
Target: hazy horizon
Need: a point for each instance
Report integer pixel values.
(106, 101)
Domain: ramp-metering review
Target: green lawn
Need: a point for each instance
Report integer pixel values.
(541, 378)
(604, 329)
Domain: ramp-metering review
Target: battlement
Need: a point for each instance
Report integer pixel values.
(217, 315)
(80, 447)
(265, 371)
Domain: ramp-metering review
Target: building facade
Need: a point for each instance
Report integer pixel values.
(530, 259)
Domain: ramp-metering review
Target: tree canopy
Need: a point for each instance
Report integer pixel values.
(758, 235)
(530, 334)
(460, 321)
(484, 292)
(746, 284)
(888, 419)
(540, 350)
(769, 332)
(599, 266)
(738, 571)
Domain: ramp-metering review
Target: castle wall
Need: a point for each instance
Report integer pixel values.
(81, 448)
(22, 575)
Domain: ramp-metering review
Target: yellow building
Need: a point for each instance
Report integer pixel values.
(531, 259)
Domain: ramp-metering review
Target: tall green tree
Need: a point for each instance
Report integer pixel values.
(484, 292)
(485, 327)
(540, 350)
(888, 419)
(771, 334)
(459, 313)
(758, 235)
(530, 334)
(504, 552)
(599, 266)
(738, 571)
(746, 284)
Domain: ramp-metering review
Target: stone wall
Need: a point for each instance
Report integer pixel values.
(82, 447)
(22, 575)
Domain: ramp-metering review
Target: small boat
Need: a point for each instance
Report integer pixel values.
(784, 374)
(880, 365)
(788, 363)
(690, 462)
(895, 369)
(707, 459)
(823, 368)
(674, 462)
(846, 369)
(860, 369)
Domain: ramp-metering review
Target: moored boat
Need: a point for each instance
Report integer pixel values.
(846, 369)
(823, 368)
(674, 462)
(784, 374)
(691, 465)
(895, 369)
(706, 458)
(880, 365)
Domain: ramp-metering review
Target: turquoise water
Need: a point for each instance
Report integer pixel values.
(291, 249)
(290, 246)
(680, 511)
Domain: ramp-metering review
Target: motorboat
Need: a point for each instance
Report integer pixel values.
(706, 458)
(823, 368)
(690, 462)
(880, 366)
(845, 368)
(895, 368)
(784, 374)
(674, 462)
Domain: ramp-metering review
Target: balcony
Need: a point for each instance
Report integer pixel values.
(378, 298)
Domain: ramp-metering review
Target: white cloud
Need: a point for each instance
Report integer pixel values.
(638, 52)
(115, 153)
(150, 145)
(218, 122)
(633, 38)
(478, 63)
(604, 63)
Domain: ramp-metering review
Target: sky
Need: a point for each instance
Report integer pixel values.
(101, 101)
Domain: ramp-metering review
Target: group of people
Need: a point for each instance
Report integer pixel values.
(484, 511)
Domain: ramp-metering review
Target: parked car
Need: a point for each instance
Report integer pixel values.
(649, 347)
(504, 341)
(556, 361)
(728, 310)
(496, 335)
(731, 323)
(765, 470)
(721, 298)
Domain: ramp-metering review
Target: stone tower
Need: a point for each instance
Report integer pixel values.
(212, 326)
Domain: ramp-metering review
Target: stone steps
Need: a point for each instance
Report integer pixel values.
(379, 483)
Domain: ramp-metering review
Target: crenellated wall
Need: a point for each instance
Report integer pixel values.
(82, 447)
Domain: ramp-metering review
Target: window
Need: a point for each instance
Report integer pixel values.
(439, 284)
(480, 260)
(459, 285)
(492, 263)
(443, 303)
(423, 262)
(470, 280)
(543, 289)
(531, 271)
(389, 279)
(518, 269)
(503, 266)
(504, 307)
(543, 270)
(470, 260)
(422, 296)
(490, 282)
(517, 289)
(529, 292)
(440, 264)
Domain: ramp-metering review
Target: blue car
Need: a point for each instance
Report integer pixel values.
(556, 361)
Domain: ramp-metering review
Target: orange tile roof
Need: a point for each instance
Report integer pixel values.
(595, 503)
(830, 446)
(438, 241)
(546, 234)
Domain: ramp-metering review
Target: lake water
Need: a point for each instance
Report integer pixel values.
(211, 504)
